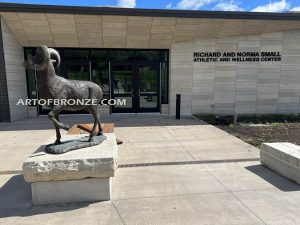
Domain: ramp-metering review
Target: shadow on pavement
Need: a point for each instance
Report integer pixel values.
(15, 197)
(15, 201)
(274, 178)
(120, 120)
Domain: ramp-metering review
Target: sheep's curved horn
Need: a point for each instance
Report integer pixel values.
(40, 60)
(54, 54)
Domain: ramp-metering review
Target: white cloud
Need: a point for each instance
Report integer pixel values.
(295, 9)
(228, 6)
(169, 6)
(126, 3)
(192, 4)
(273, 7)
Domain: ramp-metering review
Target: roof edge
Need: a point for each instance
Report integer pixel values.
(32, 8)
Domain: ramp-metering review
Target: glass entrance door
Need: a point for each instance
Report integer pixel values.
(138, 85)
(122, 80)
(148, 88)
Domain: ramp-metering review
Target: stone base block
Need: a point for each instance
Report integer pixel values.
(76, 176)
(56, 192)
(283, 158)
(99, 161)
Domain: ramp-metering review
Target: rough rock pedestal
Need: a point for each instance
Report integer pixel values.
(76, 176)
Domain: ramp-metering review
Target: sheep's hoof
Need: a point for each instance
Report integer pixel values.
(57, 142)
(90, 138)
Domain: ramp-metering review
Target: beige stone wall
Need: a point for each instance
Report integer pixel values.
(237, 87)
(15, 73)
(181, 76)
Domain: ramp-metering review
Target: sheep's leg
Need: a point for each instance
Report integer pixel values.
(95, 124)
(100, 129)
(58, 136)
(55, 111)
(93, 111)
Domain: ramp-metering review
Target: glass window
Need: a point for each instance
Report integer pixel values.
(122, 79)
(148, 55)
(164, 56)
(77, 71)
(31, 80)
(100, 70)
(99, 55)
(31, 84)
(93, 64)
(124, 55)
(148, 86)
(76, 54)
(101, 77)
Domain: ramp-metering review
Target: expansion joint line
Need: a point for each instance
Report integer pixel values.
(186, 162)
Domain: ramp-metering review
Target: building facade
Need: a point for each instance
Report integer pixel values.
(220, 62)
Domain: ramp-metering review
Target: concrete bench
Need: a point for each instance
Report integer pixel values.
(76, 176)
(283, 158)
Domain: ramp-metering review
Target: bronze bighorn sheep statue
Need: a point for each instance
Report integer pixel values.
(52, 86)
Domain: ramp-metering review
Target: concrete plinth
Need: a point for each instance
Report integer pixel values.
(76, 176)
(55, 192)
(283, 158)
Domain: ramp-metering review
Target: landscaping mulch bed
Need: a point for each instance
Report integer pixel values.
(258, 129)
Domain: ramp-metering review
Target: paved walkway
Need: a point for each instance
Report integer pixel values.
(171, 172)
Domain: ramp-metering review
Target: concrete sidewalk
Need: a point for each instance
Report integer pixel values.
(171, 172)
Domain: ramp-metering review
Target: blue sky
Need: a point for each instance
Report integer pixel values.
(221, 5)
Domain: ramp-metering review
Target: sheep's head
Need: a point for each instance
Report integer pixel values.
(42, 59)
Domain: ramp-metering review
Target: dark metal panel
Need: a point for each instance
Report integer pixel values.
(4, 102)
(13, 7)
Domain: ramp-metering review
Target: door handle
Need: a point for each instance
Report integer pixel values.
(138, 93)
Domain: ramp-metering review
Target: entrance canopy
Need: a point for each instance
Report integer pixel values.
(104, 27)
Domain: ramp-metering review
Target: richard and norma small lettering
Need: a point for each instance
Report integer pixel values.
(236, 56)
